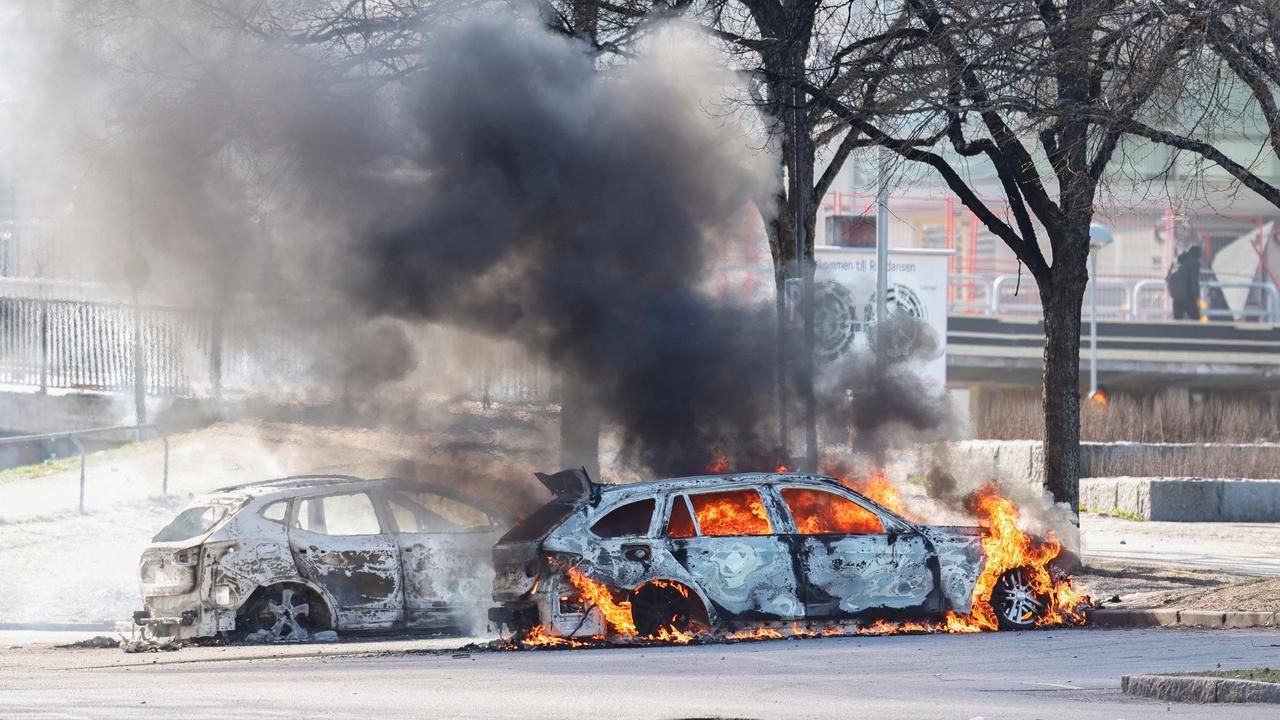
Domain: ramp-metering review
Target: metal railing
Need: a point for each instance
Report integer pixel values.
(1118, 299)
(75, 437)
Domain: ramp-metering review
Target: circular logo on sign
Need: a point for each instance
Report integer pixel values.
(835, 319)
(900, 336)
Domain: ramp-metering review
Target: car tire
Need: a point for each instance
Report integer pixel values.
(1016, 603)
(659, 605)
(282, 613)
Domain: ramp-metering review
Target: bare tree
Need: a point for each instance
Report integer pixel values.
(1036, 91)
(1235, 63)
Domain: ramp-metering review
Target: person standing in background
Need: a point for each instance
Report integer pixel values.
(1183, 281)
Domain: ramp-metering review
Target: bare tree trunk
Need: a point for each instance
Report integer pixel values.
(1061, 297)
(780, 306)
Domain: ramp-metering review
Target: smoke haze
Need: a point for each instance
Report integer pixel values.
(506, 184)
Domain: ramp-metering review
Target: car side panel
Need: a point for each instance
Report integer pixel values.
(444, 573)
(852, 574)
(961, 561)
(361, 573)
(745, 577)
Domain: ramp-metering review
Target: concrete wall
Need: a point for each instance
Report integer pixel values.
(1020, 461)
(1185, 499)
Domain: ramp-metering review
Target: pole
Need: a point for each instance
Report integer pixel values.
(75, 440)
(882, 247)
(139, 367)
(1093, 321)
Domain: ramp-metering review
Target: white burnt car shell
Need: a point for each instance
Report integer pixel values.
(286, 558)
(811, 550)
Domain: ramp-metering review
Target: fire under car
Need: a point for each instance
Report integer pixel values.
(287, 558)
(729, 551)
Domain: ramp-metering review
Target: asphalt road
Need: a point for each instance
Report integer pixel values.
(1047, 674)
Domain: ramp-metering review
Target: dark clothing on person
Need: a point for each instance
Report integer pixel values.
(1184, 285)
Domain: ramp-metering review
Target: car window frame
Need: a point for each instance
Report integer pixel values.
(672, 498)
(648, 534)
(767, 499)
(385, 496)
(378, 510)
(889, 524)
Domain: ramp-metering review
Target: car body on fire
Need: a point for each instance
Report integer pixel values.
(726, 551)
(286, 558)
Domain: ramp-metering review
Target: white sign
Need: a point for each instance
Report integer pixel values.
(845, 302)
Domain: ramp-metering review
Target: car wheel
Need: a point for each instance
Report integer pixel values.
(1017, 604)
(281, 614)
(659, 605)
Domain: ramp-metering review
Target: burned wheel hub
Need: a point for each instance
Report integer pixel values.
(285, 614)
(655, 607)
(1016, 602)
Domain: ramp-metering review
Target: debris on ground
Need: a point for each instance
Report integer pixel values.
(100, 641)
(141, 646)
(266, 637)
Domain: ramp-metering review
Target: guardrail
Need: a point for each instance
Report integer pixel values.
(1118, 298)
(75, 435)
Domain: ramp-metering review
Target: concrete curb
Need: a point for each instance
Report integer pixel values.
(1170, 617)
(1200, 689)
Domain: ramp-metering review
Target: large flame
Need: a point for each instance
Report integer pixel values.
(876, 486)
(1008, 548)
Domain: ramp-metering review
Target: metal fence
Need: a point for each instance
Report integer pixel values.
(251, 348)
(85, 345)
(1118, 299)
(75, 436)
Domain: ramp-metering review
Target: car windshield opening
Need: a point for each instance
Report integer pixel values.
(192, 522)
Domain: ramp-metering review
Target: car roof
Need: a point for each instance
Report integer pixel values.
(292, 482)
(708, 482)
(294, 485)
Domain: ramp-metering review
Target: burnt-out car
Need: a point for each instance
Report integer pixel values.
(726, 551)
(286, 558)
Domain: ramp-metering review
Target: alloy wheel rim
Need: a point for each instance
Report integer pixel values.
(1021, 603)
(282, 617)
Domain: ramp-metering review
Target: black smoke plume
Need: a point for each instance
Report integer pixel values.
(568, 208)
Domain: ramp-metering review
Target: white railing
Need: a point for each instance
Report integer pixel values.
(1118, 299)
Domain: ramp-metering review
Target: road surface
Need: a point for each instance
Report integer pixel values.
(1045, 674)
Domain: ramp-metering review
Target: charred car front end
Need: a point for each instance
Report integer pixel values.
(727, 551)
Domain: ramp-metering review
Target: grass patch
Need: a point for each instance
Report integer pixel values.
(1117, 513)
(1262, 675)
(57, 465)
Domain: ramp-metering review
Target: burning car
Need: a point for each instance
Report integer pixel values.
(285, 558)
(666, 558)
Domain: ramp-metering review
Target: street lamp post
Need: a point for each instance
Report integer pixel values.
(1099, 237)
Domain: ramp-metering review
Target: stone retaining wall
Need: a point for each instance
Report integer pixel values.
(1184, 499)
(1019, 461)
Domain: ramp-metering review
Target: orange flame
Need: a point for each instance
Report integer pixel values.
(616, 614)
(736, 512)
(1008, 548)
(719, 463)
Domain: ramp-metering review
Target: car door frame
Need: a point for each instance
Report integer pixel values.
(899, 549)
(415, 549)
(700, 554)
(313, 561)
